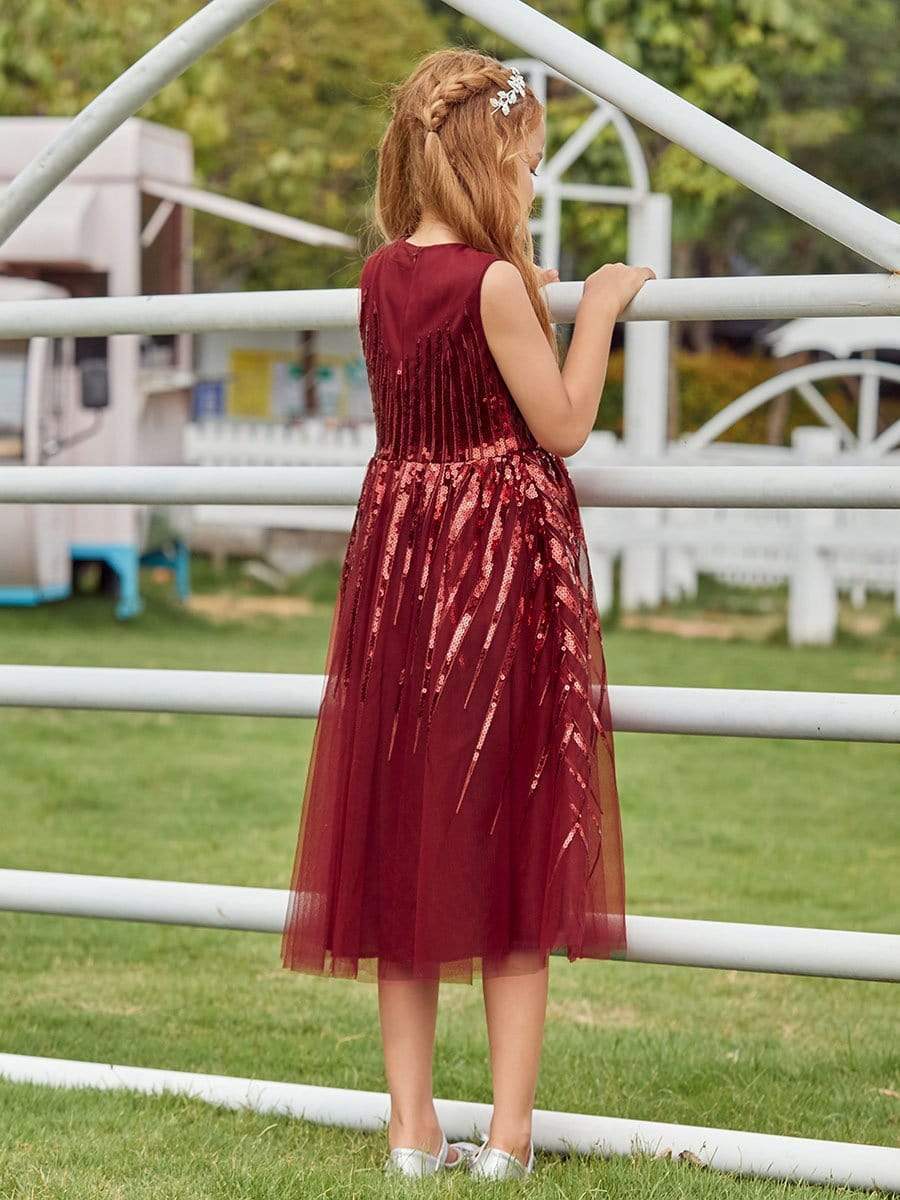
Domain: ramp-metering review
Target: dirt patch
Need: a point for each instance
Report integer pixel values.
(863, 624)
(880, 672)
(220, 606)
(756, 627)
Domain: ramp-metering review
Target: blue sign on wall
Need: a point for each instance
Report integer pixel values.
(208, 399)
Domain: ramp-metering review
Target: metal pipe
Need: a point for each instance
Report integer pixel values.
(682, 485)
(736, 1151)
(730, 712)
(744, 297)
(673, 941)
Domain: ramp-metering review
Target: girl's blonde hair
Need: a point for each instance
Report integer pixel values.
(448, 149)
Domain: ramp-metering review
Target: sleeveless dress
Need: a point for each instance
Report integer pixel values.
(460, 804)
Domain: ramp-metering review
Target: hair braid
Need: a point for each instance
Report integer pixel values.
(447, 92)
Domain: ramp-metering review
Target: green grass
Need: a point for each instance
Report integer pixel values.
(741, 829)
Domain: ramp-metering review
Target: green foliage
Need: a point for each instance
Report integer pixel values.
(731, 58)
(708, 382)
(845, 123)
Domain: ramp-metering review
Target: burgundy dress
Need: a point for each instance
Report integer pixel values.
(461, 799)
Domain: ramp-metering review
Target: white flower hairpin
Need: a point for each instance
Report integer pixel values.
(516, 85)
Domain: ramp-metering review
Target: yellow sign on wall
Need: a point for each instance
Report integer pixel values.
(269, 385)
(252, 378)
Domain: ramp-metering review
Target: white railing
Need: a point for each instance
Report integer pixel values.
(727, 712)
(851, 223)
(774, 296)
(868, 371)
(815, 553)
(311, 442)
(670, 941)
(768, 1155)
(629, 486)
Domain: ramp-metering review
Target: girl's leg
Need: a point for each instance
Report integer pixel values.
(515, 1007)
(408, 1014)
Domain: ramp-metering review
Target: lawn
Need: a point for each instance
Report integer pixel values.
(736, 829)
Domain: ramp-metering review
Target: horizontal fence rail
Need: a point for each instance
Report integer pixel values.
(740, 1152)
(782, 949)
(729, 712)
(743, 297)
(680, 485)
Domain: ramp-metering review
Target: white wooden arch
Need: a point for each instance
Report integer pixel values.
(801, 379)
(550, 183)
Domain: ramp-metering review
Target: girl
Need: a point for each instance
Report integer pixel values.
(460, 815)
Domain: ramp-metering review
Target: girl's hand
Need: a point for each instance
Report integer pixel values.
(618, 282)
(545, 274)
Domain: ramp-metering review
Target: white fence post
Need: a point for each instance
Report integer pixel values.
(646, 397)
(602, 447)
(680, 574)
(812, 600)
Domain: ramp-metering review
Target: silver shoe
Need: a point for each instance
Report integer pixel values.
(411, 1161)
(493, 1163)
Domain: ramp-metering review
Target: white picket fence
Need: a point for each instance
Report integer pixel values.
(816, 552)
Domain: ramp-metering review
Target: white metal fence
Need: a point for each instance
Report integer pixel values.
(686, 710)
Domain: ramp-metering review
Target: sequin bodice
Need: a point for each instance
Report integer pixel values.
(437, 393)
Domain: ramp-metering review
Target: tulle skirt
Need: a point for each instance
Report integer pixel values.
(460, 813)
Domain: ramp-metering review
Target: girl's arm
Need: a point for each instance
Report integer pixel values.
(559, 406)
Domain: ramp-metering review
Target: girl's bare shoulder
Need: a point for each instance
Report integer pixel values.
(502, 286)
